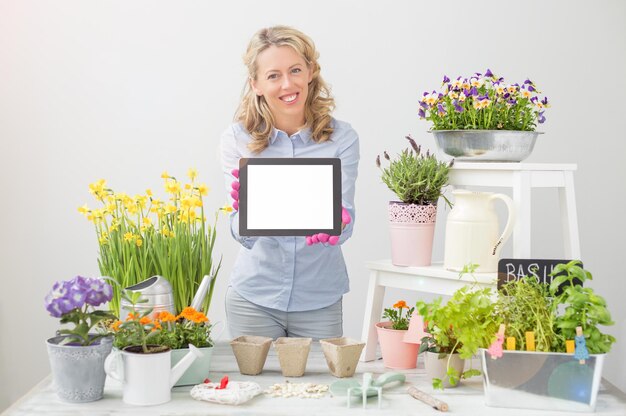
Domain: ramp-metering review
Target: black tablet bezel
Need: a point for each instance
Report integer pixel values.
(243, 196)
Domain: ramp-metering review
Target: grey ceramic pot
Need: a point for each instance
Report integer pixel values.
(78, 372)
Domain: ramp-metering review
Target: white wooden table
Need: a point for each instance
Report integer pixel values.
(464, 400)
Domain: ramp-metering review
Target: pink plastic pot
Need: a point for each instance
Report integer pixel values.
(412, 229)
(397, 354)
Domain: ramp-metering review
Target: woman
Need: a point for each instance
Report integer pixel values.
(288, 286)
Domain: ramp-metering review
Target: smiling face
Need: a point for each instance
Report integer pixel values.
(283, 78)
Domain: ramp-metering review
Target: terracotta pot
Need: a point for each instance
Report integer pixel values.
(438, 367)
(412, 229)
(397, 354)
(292, 355)
(251, 353)
(342, 355)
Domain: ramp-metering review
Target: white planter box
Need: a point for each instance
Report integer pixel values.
(540, 380)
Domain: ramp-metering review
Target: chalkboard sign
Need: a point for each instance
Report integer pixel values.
(540, 269)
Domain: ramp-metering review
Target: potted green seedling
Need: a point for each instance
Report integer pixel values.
(458, 329)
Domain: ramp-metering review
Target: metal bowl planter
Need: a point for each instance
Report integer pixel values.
(486, 145)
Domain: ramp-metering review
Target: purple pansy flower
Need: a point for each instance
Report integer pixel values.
(472, 91)
(528, 81)
(445, 79)
(440, 109)
(489, 74)
(421, 113)
(457, 106)
(541, 119)
(531, 88)
(544, 101)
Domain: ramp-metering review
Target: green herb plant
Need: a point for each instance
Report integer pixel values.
(415, 177)
(525, 305)
(582, 307)
(467, 322)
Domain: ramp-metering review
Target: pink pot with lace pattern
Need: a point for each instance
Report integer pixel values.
(412, 229)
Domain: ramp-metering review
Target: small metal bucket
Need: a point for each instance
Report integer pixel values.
(157, 293)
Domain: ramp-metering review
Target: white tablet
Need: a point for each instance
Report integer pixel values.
(289, 196)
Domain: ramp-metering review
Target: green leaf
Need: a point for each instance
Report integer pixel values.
(437, 384)
(470, 373)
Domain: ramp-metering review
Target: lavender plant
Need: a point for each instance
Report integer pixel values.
(483, 102)
(415, 177)
(74, 301)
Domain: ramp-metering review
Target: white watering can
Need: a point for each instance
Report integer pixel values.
(473, 233)
(147, 379)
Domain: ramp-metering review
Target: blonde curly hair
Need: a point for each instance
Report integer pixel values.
(254, 112)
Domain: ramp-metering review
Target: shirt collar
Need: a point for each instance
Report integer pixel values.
(304, 135)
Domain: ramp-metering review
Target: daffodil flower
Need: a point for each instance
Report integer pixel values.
(192, 174)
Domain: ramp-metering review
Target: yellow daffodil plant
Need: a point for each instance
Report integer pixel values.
(143, 236)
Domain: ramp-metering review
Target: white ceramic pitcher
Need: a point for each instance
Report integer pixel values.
(472, 231)
(147, 379)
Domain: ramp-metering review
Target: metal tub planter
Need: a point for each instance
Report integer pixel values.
(486, 145)
(540, 380)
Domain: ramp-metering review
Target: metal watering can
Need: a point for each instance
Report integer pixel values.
(158, 294)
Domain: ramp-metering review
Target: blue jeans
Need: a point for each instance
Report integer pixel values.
(246, 318)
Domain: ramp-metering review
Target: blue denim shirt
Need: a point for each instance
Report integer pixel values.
(283, 272)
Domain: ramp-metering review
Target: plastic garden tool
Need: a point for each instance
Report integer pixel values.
(369, 387)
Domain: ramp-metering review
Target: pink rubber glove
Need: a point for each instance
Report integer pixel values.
(235, 192)
(330, 239)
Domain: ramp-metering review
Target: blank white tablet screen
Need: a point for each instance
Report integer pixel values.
(290, 197)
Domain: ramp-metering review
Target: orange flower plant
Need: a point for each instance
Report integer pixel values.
(395, 316)
(164, 329)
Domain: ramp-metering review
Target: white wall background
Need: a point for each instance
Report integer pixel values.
(123, 90)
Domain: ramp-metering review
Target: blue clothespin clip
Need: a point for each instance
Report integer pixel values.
(581, 352)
